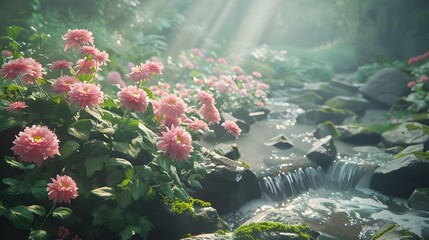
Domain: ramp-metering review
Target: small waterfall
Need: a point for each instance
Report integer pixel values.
(344, 175)
(290, 184)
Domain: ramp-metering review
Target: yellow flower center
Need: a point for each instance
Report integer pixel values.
(64, 184)
(171, 102)
(179, 139)
(136, 94)
(37, 138)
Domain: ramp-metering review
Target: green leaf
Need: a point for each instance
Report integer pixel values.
(166, 189)
(105, 127)
(38, 235)
(139, 189)
(62, 212)
(145, 226)
(149, 138)
(93, 164)
(81, 129)
(163, 162)
(37, 209)
(145, 171)
(38, 190)
(13, 163)
(96, 147)
(21, 217)
(109, 103)
(126, 148)
(85, 77)
(149, 93)
(68, 148)
(124, 199)
(181, 194)
(124, 184)
(13, 31)
(3, 210)
(195, 183)
(104, 192)
(120, 162)
(129, 231)
(161, 177)
(7, 122)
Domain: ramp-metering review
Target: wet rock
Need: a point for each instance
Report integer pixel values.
(389, 94)
(422, 118)
(273, 230)
(291, 82)
(410, 149)
(341, 83)
(358, 134)
(281, 216)
(228, 184)
(212, 236)
(316, 116)
(419, 199)
(394, 231)
(401, 176)
(326, 129)
(308, 98)
(323, 152)
(243, 114)
(408, 133)
(327, 91)
(394, 150)
(354, 104)
(170, 224)
(280, 141)
(228, 150)
(260, 115)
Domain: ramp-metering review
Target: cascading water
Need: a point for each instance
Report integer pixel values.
(345, 175)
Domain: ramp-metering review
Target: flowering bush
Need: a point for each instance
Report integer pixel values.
(111, 148)
(419, 96)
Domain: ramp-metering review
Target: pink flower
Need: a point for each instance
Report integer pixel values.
(204, 97)
(6, 53)
(423, 78)
(133, 97)
(210, 113)
(198, 124)
(262, 86)
(60, 64)
(102, 58)
(89, 50)
(171, 106)
(63, 232)
(85, 94)
(114, 77)
(257, 74)
(198, 81)
(197, 52)
(86, 67)
(237, 69)
(222, 61)
(176, 142)
(36, 144)
(76, 37)
(27, 67)
(16, 106)
(222, 87)
(62, 189)
(261, 104)
(63, 84)
(145, 71)
(232, 128)
(411, 84)
(210, 60)
(260, 94)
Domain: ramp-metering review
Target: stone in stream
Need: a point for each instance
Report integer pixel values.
(354, 104)
(360, 135)
(228, 150)
(401, 176)
(408, 133)
(243, 114)
(317, 116)
(387, 86)
(326, 90)
(228, 184)
(323, 152)
(325, 129)
(280, 141)
(419, 199)
(394, 231)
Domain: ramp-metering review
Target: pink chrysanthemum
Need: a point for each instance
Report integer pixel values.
(6, 53)
(85, 94)
(198, 124)
(16, 106)
(204, 97)
(102, 58)
(210, 113)
(60, 64)
(87, 67)
(171, 106)
(232, 128)
(222, 61)
(197, 52)
(423, 78)
(222, 87)
(36, 144)
(176, 142)
(237, 69)
(411, 84)
(114, 77)
(62, 189)
(132, 97)
(77, 37)
(257, 74)
(89, 50)
(27, 67)
(63, 84)
(145, 71)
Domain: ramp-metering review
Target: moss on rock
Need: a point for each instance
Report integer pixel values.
(254, 230)
(180, 207)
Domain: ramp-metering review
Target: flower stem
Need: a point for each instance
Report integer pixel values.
(47, 215)
(216, 143)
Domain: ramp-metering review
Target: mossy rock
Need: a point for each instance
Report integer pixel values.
(291, 82)
(325, 129)
(323, 114)
(354, 104)
(254, 65)
(358, 134)
(306, 98)
(395, 231)
(269, 230)
(327, 91)
(274, 83)
(406, 134)
(419, 199)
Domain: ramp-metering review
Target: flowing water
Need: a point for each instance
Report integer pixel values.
(339, 204)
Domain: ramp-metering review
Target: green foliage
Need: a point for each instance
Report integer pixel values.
(253, 230)
(179, 206)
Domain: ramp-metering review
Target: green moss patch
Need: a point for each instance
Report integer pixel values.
(180, 207)
(253, 230)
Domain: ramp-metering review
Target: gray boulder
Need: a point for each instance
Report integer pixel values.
(317, 116)
(323, 152)
(280, 141)
(354, 104)
(358, 134)
(325, 129)
(387, 86)
(401, 176)
(395, 232)
(408, 133)
(419, 199)
(228, 150)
